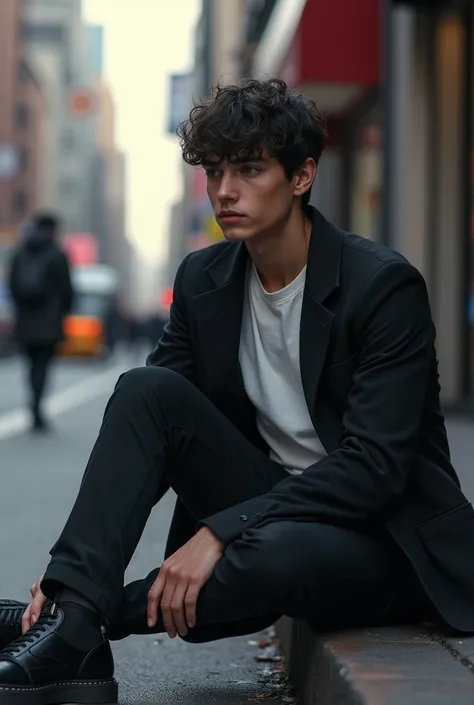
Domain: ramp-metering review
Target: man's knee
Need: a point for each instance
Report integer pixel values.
(265, 556)
(142, 380)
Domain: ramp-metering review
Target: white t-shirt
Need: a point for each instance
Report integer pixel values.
(270, 361)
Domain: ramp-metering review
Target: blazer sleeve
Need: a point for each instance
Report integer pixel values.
(174, 349)
(368, 472)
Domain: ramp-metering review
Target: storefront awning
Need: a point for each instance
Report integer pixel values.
(329, 50)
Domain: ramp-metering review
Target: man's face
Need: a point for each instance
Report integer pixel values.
(250, 197)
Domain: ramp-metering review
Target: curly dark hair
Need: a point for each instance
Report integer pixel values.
(244, 120)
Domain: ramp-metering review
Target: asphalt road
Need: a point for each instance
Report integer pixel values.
(40, 477)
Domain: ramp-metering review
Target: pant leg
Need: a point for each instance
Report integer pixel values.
(40, 357)
(330, 576)
(158, 431)
(30, 358)
(135, 594)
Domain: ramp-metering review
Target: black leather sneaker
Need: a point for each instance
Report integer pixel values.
(43, 666)
(11, 613)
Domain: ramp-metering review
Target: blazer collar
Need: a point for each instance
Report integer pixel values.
(323, 266)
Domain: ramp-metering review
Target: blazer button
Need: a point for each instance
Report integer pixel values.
(243, 517)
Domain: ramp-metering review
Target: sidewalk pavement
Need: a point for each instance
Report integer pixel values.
(391, 666)
(461, 438)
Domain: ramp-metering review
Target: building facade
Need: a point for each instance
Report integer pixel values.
(395, 79)
(58, 45)
(428, 207)
(219, 41)
(21, 125)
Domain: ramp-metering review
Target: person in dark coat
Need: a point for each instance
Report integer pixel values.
(42, 293)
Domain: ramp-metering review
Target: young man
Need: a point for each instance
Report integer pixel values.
(41, 289)
(293, 406)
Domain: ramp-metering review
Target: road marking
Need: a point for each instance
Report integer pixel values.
(16, 421)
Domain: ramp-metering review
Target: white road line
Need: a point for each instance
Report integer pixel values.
(16, 421)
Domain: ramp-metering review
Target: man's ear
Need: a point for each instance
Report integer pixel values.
(303, 179)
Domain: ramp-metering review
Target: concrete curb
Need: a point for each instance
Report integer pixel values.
(380, 666)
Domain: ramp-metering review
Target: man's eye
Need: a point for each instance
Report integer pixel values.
(212, 173)
(250, 170)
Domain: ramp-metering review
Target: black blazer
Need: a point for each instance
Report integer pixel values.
(370, 378)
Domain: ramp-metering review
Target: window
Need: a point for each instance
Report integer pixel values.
(24, 159)
(20, 203)
(366, 175)
(68, 140)
(43, 34)
(22, 115)
(23, 73)
(68, 188)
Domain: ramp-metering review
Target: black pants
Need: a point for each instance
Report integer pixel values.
(160, 431)
(39, 358)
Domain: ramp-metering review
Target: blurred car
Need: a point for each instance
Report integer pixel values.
(85, 328)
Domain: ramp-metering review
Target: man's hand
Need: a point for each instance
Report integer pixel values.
(33, 611)
(181, 577)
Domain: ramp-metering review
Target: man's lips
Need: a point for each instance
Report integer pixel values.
(230, 216)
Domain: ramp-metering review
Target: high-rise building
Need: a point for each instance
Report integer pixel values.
(95, 40)
(58, 45)
(219, 41)
(110, 187)
(21, 146)
(21, 125)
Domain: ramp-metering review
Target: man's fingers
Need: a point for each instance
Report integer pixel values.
(177, 608)
(190, 602)
(26, 620)
(36, 606)
(165, 606)
(154, 597)
(35, 587)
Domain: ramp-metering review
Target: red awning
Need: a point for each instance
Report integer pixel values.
(331, 50)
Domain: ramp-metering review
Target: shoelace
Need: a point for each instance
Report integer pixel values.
(10, 616)
(46, 620)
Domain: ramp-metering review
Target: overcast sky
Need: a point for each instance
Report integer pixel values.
(145, 41)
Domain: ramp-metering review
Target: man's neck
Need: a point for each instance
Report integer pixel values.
(281, 256)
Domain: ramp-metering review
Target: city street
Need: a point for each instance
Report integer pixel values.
(40, 478)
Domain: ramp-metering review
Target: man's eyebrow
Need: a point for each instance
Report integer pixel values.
(236, 160)
(250, 158)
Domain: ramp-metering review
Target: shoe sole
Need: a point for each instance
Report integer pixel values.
(84, 693)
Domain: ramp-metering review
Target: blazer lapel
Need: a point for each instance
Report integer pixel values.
(219, 314)
(322, 279)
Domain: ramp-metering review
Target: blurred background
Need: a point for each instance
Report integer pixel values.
(91, 93)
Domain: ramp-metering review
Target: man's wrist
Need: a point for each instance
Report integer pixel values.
(210, 536)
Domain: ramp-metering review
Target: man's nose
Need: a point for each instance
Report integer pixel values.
(226, 190)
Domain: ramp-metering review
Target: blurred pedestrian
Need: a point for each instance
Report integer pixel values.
(41, 290)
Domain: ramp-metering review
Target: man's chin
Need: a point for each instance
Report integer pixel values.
(236, 234)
